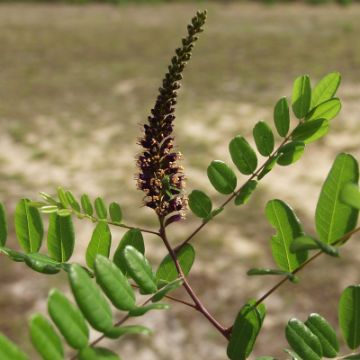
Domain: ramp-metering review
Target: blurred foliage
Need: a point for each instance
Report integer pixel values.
(120, 2)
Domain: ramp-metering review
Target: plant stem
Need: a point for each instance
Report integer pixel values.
(181, 301)
(198, 304)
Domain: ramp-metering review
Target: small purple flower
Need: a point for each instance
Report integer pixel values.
(161, 177)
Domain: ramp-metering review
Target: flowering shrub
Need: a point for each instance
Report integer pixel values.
(117, 280)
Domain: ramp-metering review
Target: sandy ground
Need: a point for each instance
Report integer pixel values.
(69, 116)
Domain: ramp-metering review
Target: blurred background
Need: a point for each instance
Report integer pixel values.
(77, 81)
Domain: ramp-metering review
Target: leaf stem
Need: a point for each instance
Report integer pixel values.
(343, 239)
(95, 219)
(198, 304)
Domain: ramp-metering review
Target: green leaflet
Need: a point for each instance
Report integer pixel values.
(28, 226)
(99, 244)
(97, 353)
(325, 89)
(117, 332)
(222, 177)
(290, 153)
(72, 201)
(167, 272)
(86, 205)
(311, 131)
(115, 212)
(9, 351)
(349, 316)
(13, 254)
(306, 242)
(242, 155)
(245, 192)
(302, 340)
(325, 333)
(140, 270)
(246, 328)
(326, 110)
(166, 289)
(288, 227)
(139, 311)
(90, 300)
(42, 263)
(264, 138)
(261, 271)
(301, 96)
(268, 166)
(282, 117)
(333, 218)
(114, 284)
(68, 319)
(100, 208)
(200, 204)
(350, 195)
(44, 338)
(265, 358)
(134, 238)
(61, 237)
(3, 225)
(62, 197)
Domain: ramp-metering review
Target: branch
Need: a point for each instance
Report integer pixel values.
(198, 304)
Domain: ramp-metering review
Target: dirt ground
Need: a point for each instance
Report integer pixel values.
(76, 82)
